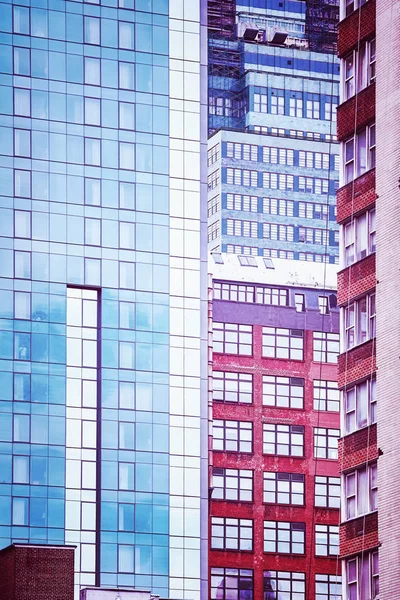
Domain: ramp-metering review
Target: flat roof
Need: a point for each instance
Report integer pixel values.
(294, 273)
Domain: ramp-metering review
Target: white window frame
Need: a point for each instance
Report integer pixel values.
(358, 322)
(359, 406)
(360, 492)
(371, 562)
(358, 154)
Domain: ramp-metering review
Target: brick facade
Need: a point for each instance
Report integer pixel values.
(358, 111)
(356, 27)
(258, 462)
(356, 197)
(356, 280)
(37, 572)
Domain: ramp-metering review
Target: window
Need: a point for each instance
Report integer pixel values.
(325, 346)
(296, 107)
(283, 392)
(126, 115)
(362, 576)
(22, 102)
(275, 206)
(232, 484)
(22, 264)
(326, 442)
(22, 61)
(273, 231)
(328, 587)
(274, 296)
(327, 491)
(284, 488)
(312, 185)
(330, 111)
(213, 206)
(360, 405)
(242, 228)
(241, 151)
(358, 154)
(323, 305)
(277, 102)
(361, 492)
(92, 111)
(230, 584)
(326, 395)
(292, 585)
(283, 440)
(311, 210)
(92, 152)
(260, 100)
(234, 292)
(309, 235)
(299, 302)
(359, 69)
(313, 107)
(359, 321)
(232, 387)
(213, 155)
(242, 177)
(126, 76)
(277, 181)
(232, 436)
(284, 537)
(326, 540)
(126, 36)
(126, 156)
(282, 343)
(92, 71)
(278, 156)
(247, 261)
(242, 202)
(231, 534)
(91, 30)
(213, 180)
(359, 238)
(22, 142)
(213, 231)
(230, 338)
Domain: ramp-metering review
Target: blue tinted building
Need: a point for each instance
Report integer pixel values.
(102, 351)
(273, 157)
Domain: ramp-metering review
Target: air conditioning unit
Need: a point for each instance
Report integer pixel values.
(250, 32)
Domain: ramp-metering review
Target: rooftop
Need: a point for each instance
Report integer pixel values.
(272, 271)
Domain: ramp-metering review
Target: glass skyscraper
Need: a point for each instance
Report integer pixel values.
(103, 340)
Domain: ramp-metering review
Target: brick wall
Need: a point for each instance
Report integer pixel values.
(358, 448)
(359, 535)
(356, 280)
(362, 105)
(355, 24)
(357, 363)
(37, 573)
(356, 196)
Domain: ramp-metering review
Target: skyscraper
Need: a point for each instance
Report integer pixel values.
(273, 158)
(102, 351)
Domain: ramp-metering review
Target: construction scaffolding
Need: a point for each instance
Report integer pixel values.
(221, 18)
(322, 19)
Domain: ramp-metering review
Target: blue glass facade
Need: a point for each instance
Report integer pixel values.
(273, 156)
(102, 353)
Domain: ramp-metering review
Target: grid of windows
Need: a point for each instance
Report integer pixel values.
(228, 584)
(231, 338)
(309, 235)
(313, 210)
(327, 491)
(359, 321)
(232, 387)
(360, 405)
(313, 185)
(213, 231)
(212, 155)
(273, 231)
(277, 181)
(283, 440)
(325, 347)
(313, 160)
(241, 151)
(212, 206)
(232, 484)
(232, 436)
(326, 540)
(362, 576)
(249, 293)
(326, 395)
(242, 202)
(284, 584)
(242, 228)
(242, 177)
(284, 537)
(284, 488)
(326, 442)
(361, 491)
(328, 587)
(278, 156)
(213, 180)
(276, 253)
(278, 342)
(275, 206)
(283, 392)
(359, 69)
(231, 534)
(246, 250)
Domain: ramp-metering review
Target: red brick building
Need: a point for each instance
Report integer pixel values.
(275, 486)
(358, 450)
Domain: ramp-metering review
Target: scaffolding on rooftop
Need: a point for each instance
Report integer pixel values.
(322, 18)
